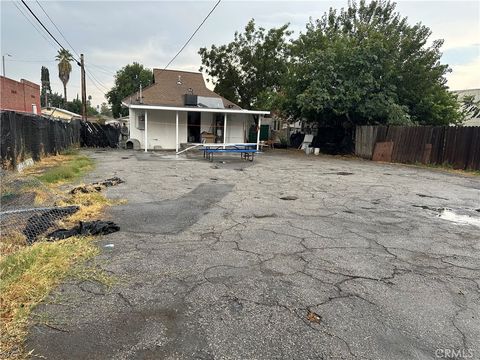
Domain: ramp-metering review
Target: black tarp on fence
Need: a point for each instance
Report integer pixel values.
(96, 135)
(27, 135)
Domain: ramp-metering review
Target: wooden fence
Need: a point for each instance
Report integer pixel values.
(441, 145)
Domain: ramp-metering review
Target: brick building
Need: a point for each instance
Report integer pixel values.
(20, 95)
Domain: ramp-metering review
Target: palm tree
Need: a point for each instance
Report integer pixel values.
(64, 69)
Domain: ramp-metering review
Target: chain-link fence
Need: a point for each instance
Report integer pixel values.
(28, 209)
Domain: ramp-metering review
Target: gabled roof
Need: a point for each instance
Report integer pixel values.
(171, 86)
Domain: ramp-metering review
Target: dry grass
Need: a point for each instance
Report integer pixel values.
(91, 206)
(27, 277)
(11, 243)
(29, 273)
(60, 168)
(41, 166)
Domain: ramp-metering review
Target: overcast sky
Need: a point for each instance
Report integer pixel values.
(112, 34)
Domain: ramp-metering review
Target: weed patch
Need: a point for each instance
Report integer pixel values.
(67, 172)
(27, 277)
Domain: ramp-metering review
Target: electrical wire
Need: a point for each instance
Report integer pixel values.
(94, 77)
(75, 51)
(40, 22)
(38, 29)
(103, 69)
(191, 37)
(94, 84)
(56, 27)
(31, 61)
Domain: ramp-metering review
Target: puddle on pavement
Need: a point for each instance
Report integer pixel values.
(459, 216)
(449, 215)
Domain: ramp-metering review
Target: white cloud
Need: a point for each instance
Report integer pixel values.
(465, 76)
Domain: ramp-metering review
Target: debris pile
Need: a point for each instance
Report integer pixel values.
(97, 186)
(97, 227)
(30, 209)
(43, 220)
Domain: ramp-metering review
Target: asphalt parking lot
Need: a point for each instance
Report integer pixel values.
(288, 257)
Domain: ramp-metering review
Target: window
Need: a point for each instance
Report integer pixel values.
(141, 122)
(276, 125)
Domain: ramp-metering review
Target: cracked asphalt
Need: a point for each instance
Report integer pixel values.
(353, 263)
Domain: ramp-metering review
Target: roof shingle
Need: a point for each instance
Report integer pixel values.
(171, 86)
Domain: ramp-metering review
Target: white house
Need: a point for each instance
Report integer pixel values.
(60, 114)
(178, 109)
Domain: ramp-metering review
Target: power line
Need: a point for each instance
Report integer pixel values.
(40, 22)
(34, 26)
(98, 81)
(56, 27)
(103, 69)
(69, 44)
(190, 38)
(30, 61)
(95, 84)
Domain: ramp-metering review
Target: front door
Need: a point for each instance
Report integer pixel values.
(193, 127)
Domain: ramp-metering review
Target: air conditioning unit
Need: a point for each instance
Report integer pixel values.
(191, 100)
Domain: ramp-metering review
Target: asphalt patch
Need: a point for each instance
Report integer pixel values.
(170, 216)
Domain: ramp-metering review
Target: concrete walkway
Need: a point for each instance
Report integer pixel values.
(353, 263)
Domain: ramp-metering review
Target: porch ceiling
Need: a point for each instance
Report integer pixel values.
(195, 109)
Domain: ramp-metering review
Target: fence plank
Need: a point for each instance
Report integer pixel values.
(455, 146)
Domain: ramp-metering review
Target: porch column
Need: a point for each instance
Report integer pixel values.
(258, 131)
(146, 131)
(176, 132)
(224, 130)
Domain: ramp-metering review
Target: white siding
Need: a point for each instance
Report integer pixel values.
(237, 126)
(161, 127)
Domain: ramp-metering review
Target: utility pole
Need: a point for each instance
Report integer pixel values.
(84, 89)
(3, 63)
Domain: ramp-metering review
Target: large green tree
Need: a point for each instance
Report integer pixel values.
(249, 69)
(76, 106)
(55, 100)
(127, 82)
(366, 65)
(64, 58)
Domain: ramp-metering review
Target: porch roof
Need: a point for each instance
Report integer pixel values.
(195, 109)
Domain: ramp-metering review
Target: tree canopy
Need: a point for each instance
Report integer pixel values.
(64, 57)
(249, 69)
(76, 106)
(364, 64)
(127, 82)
